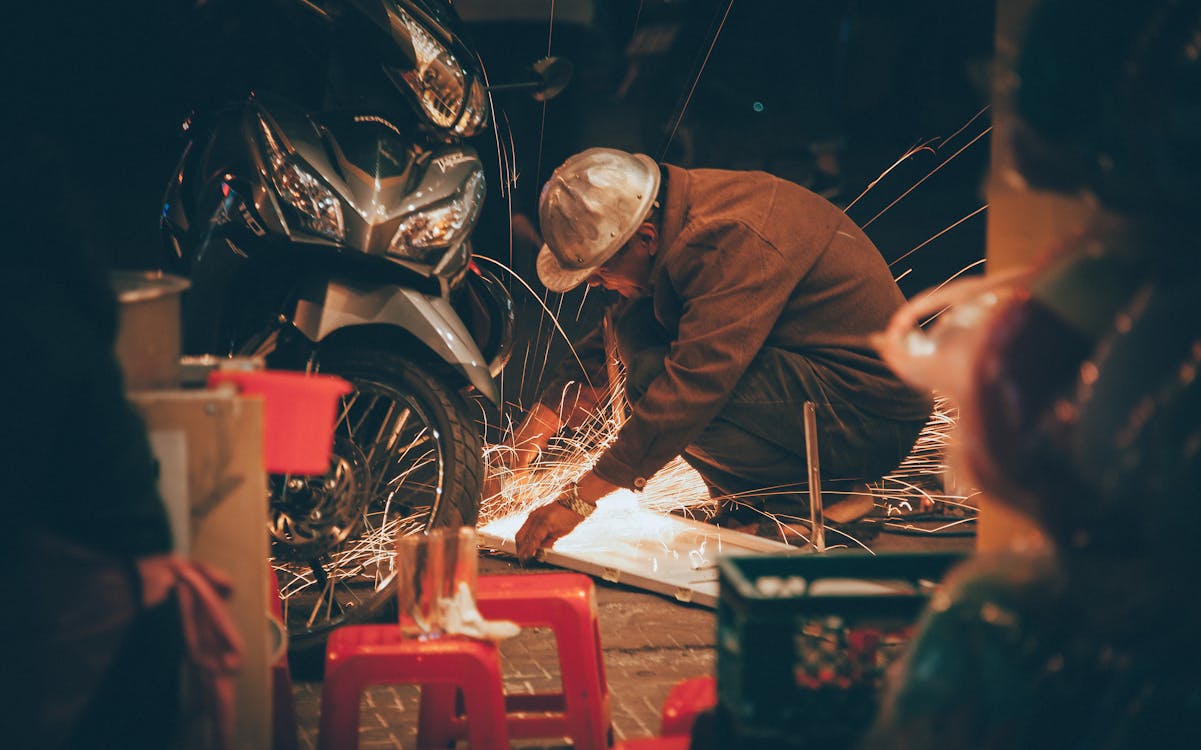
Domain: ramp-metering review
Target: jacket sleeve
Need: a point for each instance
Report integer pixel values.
(733, 284)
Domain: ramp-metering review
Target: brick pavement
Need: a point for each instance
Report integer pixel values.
(650, 643)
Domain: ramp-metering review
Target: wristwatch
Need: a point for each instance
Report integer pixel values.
(570, 499)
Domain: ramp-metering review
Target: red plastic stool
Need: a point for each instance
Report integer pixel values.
(566, 603)
(360, 655)
(687, 699)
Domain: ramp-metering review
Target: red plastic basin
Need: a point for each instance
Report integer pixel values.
(299, 414)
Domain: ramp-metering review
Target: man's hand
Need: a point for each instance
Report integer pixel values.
(545, 526)
(548, 524)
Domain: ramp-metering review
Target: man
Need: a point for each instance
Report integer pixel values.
(744, 296)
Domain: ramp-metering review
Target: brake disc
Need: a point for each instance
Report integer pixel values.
(312, 515)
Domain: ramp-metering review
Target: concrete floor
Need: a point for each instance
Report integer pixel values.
(650, 643)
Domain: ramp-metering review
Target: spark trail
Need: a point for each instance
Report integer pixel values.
(915, 485)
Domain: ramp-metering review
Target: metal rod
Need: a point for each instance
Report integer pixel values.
(816, 514)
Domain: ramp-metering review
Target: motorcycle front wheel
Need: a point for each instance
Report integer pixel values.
(407, 457)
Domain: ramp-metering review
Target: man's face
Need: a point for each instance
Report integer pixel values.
(629, 271)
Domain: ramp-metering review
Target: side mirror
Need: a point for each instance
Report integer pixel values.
(548, 77)
(553, 75)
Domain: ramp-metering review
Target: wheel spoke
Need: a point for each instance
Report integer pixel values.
(389, 431)
(399, 480)
(347, 404)
(389, 440)
(422, 437)
(363, 414)
(393, 469)
(327, 593)
(334, 535)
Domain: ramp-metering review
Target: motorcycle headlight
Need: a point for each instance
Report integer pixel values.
(449, 96)
(425, 234)
(475, 114)
(315, 205)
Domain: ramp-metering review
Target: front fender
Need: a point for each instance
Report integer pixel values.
(341, 304)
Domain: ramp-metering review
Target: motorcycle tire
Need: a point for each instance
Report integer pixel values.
(407, 457)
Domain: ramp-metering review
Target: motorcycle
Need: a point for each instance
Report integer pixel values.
(338, 239)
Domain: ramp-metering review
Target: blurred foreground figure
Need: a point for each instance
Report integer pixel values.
(1081, 407)
(100, 614)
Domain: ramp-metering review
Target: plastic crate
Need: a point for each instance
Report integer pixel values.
(803, 641)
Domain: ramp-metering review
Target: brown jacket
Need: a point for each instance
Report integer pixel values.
(747, 260)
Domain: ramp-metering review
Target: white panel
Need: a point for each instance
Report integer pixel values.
(623, 543)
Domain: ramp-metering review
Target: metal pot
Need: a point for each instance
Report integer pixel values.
(148, 332)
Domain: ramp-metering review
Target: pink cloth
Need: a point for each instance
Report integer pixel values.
(213, 643)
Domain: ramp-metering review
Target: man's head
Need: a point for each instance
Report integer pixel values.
(593, 212)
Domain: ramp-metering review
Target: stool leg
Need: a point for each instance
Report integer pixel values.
(483, 697)
(438, 719)
(339, 728)
(582, 669)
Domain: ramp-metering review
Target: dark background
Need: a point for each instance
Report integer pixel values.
(783, 77)
(98, 92)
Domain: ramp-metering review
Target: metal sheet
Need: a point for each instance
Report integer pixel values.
(621, 543)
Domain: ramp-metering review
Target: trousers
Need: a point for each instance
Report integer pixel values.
(757, 440)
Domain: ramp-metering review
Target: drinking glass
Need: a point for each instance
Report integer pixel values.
(434, 571)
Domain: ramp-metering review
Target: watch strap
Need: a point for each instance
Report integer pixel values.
(570, 499)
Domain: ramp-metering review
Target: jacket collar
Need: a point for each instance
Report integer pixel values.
(674, 211)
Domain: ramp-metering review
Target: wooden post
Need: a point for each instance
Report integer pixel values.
(209, 446)
(1023, 225)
